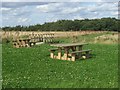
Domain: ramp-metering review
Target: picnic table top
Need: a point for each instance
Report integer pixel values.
(68, 44)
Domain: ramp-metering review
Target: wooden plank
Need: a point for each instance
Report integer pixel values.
(53, 49)
(69, 59)
(87, 54)
(59, 53)
(56, 57)
(52, 55)
(73, 57)
(81, 51)
(63, 58)
(66, 53)
(80, 48)
(78, 54)
(73, 48)
(69, 44)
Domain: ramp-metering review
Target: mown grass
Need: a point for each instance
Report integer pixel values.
(33, 68)
(0, 66)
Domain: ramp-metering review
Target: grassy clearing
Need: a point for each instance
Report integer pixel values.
(33, 68)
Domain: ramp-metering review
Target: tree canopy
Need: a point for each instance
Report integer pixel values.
(103, 24)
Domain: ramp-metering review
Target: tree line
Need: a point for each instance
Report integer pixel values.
(103, 24)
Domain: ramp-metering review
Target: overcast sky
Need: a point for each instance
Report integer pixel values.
(39, 12)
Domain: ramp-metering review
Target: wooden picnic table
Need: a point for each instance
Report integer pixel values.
(69, 49)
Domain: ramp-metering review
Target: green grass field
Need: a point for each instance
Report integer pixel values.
(0, 66)
(33, 68)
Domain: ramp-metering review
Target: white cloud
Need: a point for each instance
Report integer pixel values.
(6, 18)
(20, 20)
(51, 7)
(72, 10)
(61, 8)
(100, 7)
(109, 6)
(88, 0)
(114, 13)
(43, 8)
(14, 1)
(5, 9)
(61, 1)
(78, 17)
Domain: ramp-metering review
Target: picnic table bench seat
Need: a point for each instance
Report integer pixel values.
(81, 51)
(79, 54)
(53, 49)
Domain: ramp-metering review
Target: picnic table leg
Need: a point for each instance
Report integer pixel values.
(51, 54)
(66, 54)
(79, 49)
(73, 48)
(59, 53)
(73, 57)
(88, 54)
